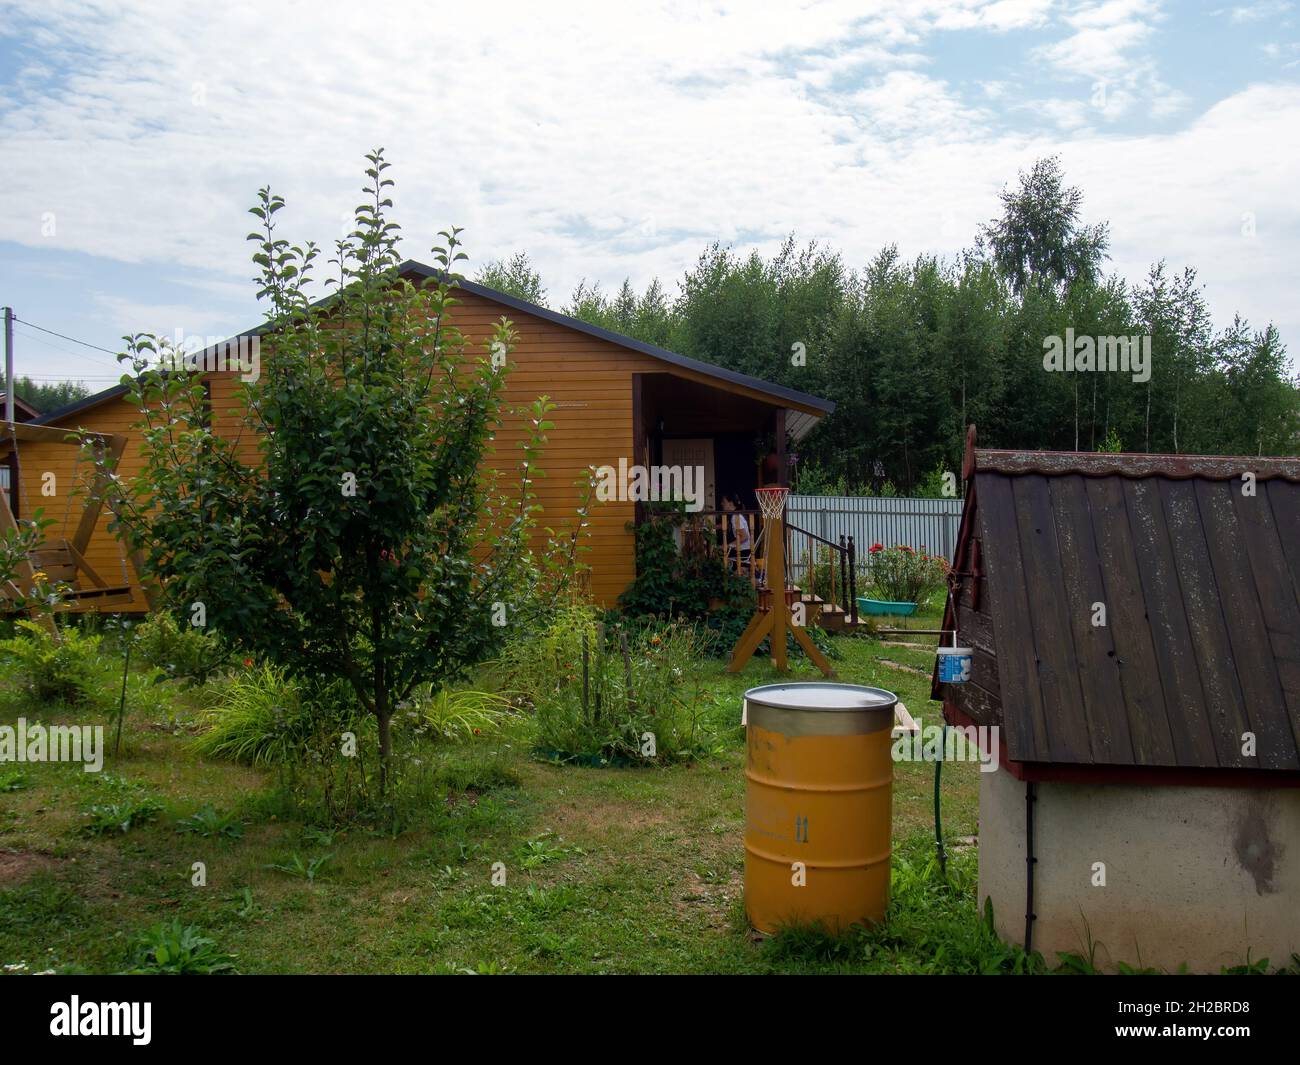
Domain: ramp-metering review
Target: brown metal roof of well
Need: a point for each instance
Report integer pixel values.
(1201, 585)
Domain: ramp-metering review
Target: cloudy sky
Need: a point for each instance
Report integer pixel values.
(616, 140)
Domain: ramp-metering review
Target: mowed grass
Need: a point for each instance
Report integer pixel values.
(607, 870)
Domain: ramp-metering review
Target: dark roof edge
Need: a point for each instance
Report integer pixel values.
(791, 395)
(21, 405)
(81, 404)
(410, 266)
(1135, 465)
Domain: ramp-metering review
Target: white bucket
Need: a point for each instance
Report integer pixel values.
(955, 664)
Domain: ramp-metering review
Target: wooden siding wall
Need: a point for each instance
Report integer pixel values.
(590, 382)
(588, 378)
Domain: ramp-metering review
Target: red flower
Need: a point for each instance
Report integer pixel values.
(877, 547)
(248, 661)
(904, 547)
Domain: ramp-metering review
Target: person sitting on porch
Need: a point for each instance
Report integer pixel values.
(738, 540)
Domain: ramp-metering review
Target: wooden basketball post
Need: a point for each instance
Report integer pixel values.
(773, 620)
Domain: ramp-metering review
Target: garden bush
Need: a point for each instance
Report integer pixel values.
(263, 716)
(68, 671)
(182, 652)
(364, 544)
(538, 661)
(669, 583)
(900, 574)
(642, 702)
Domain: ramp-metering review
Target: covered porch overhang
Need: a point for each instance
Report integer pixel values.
(742, 439)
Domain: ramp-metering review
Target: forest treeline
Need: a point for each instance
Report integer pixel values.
(912, 351)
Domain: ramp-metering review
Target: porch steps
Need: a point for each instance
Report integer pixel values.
(830, 616)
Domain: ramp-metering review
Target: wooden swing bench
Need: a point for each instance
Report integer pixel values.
(64, 561)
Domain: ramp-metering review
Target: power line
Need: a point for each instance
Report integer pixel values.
(67, 377)
(62, 336)
(57, 347)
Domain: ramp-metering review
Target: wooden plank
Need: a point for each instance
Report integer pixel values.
(978, 703)
(1051, 636)
(759, 626)
(1126, 616)
(95, 504)
(975, 629)
(810, 649)
(1222, 702)
(103, 596)
(1096, 660)
(1024, 719)
(984, 672)
(55, 563)
(50, 434)
(1243, 626)
(1194, 742)
(79, 561)
(1275, 558)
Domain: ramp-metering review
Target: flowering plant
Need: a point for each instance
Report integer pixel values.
(901, 574)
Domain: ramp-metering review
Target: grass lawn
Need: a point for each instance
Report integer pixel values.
(608, 870)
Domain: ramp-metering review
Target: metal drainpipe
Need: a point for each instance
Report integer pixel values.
(1030, 862)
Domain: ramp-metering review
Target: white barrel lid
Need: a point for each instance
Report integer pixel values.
(820, 695)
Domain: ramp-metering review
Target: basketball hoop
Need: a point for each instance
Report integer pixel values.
(771, 501)
(772, 619)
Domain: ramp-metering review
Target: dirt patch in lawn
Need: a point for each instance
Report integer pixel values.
(903, 668)
(601, 817)
(17, 866)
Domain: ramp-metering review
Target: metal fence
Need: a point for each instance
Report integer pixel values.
(919, 523)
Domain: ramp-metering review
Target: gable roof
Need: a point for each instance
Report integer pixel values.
(21, 407)
(1199, 579)
(798, 426)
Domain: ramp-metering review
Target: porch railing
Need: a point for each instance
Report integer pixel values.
(708, 532)
(823, 568)
(818, 566)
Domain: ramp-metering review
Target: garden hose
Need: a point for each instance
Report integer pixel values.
(938, 824)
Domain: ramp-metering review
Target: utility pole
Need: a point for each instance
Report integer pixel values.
(9, 366)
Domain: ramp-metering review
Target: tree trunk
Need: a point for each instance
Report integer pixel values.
(385, 746)
(1076, 413)
(1092, 418)
(1147, 430)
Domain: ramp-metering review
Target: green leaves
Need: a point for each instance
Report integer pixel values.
(178, 950)
(341, 529)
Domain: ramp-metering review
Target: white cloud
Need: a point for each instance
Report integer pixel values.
(906, 102)
(1002, 15)
(608, 144)
(1109, 48)
(1266, 9)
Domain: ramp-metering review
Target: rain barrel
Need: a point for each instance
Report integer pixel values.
(818, 804)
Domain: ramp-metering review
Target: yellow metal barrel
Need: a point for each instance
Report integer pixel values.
(818, 804)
